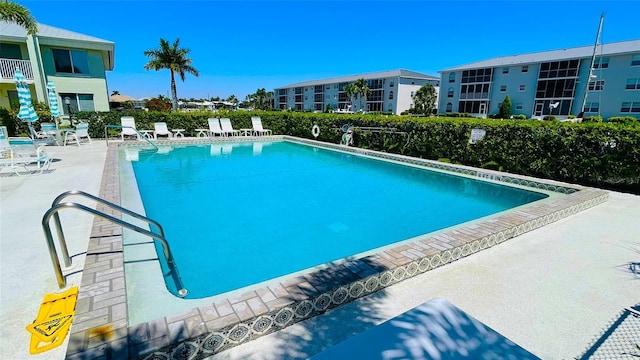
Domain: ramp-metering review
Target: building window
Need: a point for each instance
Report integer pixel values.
(449, 107)
(523, 87)
(633, 107)
(391, 84)
(505, 70)
(525, 68)
(601, 63)
(633, 84)
(78, 102)
(306, 97)
(10, 51)
(592, 107)
(518, 106)
(327, 96)
(596, 85)
(503, 88)
(635, 60)
(390, 95)
(71, 61)
(412, 94)
(452, 77)
(449, 92)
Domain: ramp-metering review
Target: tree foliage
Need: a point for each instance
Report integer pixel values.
(260, 100)
(358, 89)
(425, 99)
(505, 108)
(15, 13)
(174, 58)
(158, 104)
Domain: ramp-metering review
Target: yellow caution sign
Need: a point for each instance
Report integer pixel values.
(54, 320)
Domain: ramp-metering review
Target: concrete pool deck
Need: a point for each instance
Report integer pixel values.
(584, 286)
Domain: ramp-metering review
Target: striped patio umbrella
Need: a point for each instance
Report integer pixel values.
(27, 113)
(53, 99)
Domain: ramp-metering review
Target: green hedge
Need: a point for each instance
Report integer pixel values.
(591, 153)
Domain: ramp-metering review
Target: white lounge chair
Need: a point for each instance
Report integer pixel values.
(128, 124)
(160, 128)
(81, 132)
(214, 127)
(23, 152)
(256, 122)
(227, 128)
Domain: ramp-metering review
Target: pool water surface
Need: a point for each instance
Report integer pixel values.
(237, 214)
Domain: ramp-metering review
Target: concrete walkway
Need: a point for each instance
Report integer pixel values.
(551, 290)
(26, 272)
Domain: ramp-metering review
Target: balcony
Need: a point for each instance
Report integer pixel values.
(8, 69)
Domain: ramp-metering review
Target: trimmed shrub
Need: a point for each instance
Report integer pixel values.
(622, 119)
(595, 118)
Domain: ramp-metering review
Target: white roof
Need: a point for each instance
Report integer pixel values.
(615, 48)
(367, 76)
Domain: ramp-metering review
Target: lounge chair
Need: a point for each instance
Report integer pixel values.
(81, 132)
(128, 124)
(258, 130)
(160, 128)
(23, 152)
(227, 128)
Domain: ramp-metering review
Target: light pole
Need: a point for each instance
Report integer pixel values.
(67, 101)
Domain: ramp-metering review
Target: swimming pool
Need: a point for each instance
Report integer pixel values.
(237, 214)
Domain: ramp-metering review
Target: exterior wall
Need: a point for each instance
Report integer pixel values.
(615, 92)
(513, 80)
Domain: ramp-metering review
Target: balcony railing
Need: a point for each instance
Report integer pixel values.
(8, 68)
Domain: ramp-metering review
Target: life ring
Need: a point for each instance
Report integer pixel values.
(315, 131)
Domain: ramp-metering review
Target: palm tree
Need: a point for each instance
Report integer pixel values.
(232, 99)
(357, 89)
(259, 100)
(115, 92)
(174, 58)
(425, 99)
(16, 13)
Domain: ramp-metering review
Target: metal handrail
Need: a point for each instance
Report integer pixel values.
(141, 135)
(57, 206)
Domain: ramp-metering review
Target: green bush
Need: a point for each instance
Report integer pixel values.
(622, 119)
(595, 118)
(549, 118)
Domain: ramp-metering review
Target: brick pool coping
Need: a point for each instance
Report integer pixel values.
(100, 328)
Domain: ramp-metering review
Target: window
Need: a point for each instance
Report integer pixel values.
(78, 102)
(390, 95)
(635, 60)
(503, 88)
(306, 97)
(452, 77)
(10, 51)
(412, 94)
(592, 107)
(505, 70)
(601, 63)
(525, 68)
(633, 107)
(523, 87)
(71, 61)
(391, 84)
(596, 85)
(633, 84)
(449, 107)
(449, 92)
(518, 106)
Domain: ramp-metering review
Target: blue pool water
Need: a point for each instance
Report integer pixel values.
(238, 214)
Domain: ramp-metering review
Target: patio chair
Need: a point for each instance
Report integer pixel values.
(160, 128)
(227, 128)
(23, 152)
(81, 132)
(256, 122)
(128, 124)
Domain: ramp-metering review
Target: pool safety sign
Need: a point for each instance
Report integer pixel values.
(53, 321)
(477, 135)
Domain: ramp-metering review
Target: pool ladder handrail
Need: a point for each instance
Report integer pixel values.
(57, 206)
(141, 135)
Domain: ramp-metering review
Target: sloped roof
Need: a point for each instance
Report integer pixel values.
(14, 30)
(615, 48)
(367, 76)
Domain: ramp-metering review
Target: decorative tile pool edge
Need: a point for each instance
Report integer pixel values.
(100, 327)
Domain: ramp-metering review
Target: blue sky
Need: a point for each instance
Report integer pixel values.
(240, 46)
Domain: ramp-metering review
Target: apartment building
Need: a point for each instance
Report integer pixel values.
(558, 83)
(391, 91)
(76, 63)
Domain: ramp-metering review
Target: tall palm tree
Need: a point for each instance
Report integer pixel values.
(16, 13)
(115, 92)
(358, 89)
(259, 100)
(174, 58)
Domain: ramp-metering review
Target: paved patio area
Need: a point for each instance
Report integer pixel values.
(551, 290)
